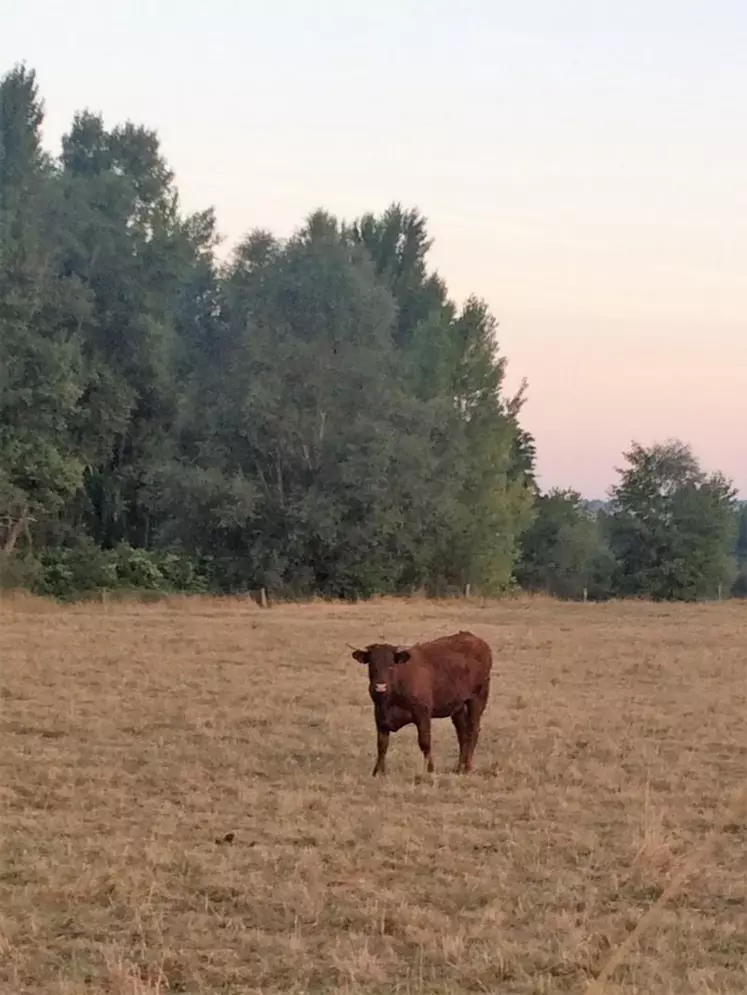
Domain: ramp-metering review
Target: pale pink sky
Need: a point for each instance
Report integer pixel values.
(582, 166)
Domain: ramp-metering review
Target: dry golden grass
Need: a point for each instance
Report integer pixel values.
(135, 736)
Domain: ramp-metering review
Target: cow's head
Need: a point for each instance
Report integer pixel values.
(381, 659)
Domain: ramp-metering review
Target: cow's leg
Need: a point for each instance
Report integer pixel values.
(475, 708)
(382, 745)
(423, 723)
(460, 719)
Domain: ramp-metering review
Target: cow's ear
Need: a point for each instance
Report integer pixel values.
(360, 655)
(401, 655)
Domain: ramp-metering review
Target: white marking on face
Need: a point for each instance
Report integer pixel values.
(380, 688)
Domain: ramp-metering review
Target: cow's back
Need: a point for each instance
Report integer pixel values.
(460, 644)
(451, 669)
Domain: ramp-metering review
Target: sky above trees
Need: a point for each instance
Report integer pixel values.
(580, 169)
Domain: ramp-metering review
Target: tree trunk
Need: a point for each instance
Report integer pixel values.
(15, 530)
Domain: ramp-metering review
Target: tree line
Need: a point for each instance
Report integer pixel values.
(314, 416)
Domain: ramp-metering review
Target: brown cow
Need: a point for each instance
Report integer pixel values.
(449, 676)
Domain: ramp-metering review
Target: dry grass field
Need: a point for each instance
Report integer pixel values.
(133, 737)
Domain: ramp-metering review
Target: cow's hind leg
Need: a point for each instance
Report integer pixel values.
(382, 745)
(461, 722)
(423, 723)
(475, 708)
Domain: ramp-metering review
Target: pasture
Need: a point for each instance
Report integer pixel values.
(135, 737)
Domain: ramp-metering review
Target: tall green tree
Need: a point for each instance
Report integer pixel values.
(451, 361)
(398, 244)
(672, 528)
(493, 489)
(151, 282)
(40, 357)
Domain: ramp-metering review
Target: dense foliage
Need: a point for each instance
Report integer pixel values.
(564, 550)
(315, 415)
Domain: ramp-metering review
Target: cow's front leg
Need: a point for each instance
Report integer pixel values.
(382, 745)
(423, 723)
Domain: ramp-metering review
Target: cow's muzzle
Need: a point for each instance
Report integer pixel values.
(380, 688)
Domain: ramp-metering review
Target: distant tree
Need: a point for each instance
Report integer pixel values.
(672, 527)
(741, 548)
(739, 587)
(563, 552)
